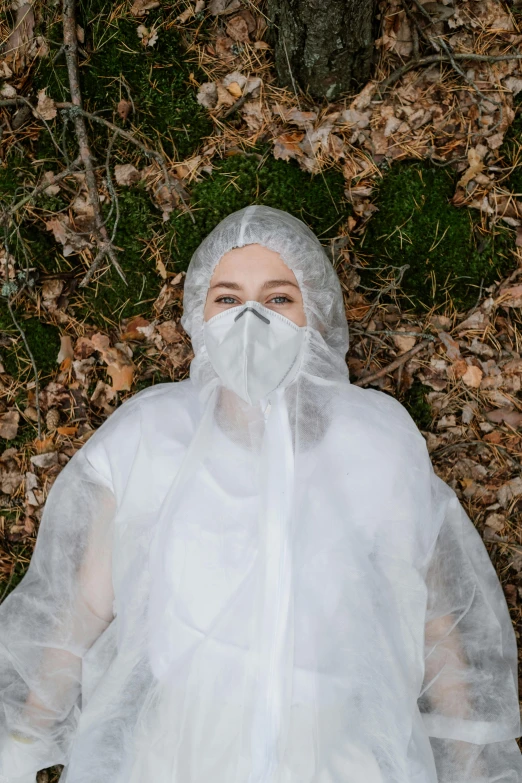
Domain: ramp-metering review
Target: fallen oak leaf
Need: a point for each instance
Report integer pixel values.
(45, 108)
(67, 430)
(286, 145)
(505, 416)
(123, 109)
(237, 29)
(207, 95)
(9, 424)
(142, 7)
(131, 332)
(473, 376)
(66, 351)
(510, 297)
(476, 165)
(126, 174)
(224, 7)
(119, 366)
(185, 15)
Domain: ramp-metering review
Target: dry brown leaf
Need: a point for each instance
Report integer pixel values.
(451, 346)
(476, 164)
(9, 424)
(126, 174)
(224, 98)
(104, 397)
(124, 109)
(187, 14)
(9, 482)
(510, 297)
(45, 108)
(237, 29)
(67, 430)
(208, 95)
(169, 332)
(473, 376)
(506, 416)
(223, 7)
(119, 366)
(66, 348)
(235, 90)
(403, 343)
(224, 47)
(131, 332)
(51, 291)
(63, 233)
(142, 7)
(287, 145)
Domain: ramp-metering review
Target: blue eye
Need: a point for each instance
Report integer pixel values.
(226, 300)
(280, 299)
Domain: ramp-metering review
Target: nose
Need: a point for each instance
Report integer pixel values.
(251, 309)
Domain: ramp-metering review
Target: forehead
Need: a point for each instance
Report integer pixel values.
(251, 261)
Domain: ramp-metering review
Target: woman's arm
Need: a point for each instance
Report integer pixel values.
(61, 606)
(469, 698)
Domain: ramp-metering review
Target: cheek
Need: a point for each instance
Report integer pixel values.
(209, 310)
(298, 315)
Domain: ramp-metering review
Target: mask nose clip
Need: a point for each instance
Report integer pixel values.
(251, 309)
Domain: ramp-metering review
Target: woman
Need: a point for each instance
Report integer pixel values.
(255, 576)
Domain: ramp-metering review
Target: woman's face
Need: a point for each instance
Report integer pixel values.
(255, 273)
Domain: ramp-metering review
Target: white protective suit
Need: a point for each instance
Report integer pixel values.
(281, 592)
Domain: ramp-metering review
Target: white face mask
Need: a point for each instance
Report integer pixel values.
(253, 350)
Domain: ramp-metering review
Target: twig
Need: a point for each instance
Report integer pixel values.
(77, 110)
(237, 105)
(74, 110)
(464, 443)
(390, 332)
(35, 370)
(443, 58)
(70, 41)
(115, 204)
(43, 185)
(392, 366)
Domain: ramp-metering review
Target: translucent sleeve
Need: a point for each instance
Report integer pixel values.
(469, 698)
(50, 620)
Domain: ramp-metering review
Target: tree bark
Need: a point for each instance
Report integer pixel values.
(324, 46)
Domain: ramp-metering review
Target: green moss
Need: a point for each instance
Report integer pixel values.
(239, 181)
(415, 402)
(32, 241)
(447, 254)
(43, 340)
(119, 66)
(110, 299)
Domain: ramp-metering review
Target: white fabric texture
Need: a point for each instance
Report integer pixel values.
(245, 593)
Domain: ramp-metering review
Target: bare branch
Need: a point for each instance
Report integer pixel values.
(404, 357)
(443, 58)
(71, 57)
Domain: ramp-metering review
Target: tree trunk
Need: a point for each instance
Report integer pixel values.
(324, 46)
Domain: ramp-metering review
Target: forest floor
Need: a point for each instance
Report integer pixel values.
(412, 183)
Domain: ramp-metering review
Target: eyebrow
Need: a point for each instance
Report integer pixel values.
(266, 284)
